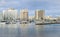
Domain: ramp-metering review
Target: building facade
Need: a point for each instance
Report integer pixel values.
(39, 14)
(10, 14)
(24, 14)
(1, 17)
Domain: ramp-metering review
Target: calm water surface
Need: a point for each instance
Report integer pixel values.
(29, 30)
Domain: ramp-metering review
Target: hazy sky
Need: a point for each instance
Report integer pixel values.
(51, 7)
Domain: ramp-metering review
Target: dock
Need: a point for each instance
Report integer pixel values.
(46, 23)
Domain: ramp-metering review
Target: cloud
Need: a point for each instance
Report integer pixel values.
(2, 3)
(50, 6)
(30, 4)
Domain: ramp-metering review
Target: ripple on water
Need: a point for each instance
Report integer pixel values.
(29, 30)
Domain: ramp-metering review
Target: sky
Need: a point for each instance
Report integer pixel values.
(51, 7)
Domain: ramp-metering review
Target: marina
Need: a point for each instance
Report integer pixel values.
(29, 18)
(36, 22)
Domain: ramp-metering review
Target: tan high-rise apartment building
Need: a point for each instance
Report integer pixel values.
(24, 14)
(39, 14)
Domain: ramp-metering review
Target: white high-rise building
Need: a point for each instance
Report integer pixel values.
(1, 17)
(10, 14)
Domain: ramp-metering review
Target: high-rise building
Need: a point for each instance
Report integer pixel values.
(1, 17)
(39, 14)
(10, 14)
(24, 14)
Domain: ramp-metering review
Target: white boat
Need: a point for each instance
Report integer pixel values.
(23, 22)
(2, 22)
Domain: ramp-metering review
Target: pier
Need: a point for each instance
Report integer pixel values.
(46, 23)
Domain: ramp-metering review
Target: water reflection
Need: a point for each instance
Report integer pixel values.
(19, 30)
(29, 30)
(52, 30)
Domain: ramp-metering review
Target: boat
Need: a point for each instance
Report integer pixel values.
(23, 22)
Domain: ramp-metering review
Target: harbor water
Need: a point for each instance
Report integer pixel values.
(29, 30)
